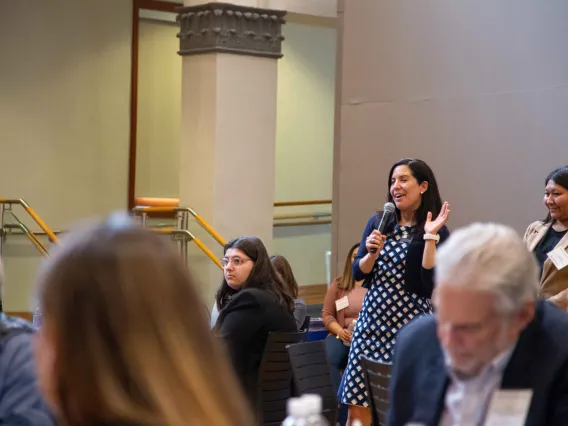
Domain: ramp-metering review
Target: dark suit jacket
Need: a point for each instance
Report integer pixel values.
(417, 279)
(539, 362)
(244, 325)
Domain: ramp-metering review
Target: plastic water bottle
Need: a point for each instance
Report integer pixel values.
(297, 413)
(305, 411)
(351, 329)
(314, 408)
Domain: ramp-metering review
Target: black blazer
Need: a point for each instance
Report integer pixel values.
(539, 362)
(417, 279)
(244, 325)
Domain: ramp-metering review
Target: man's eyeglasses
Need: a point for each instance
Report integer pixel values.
(236, 261)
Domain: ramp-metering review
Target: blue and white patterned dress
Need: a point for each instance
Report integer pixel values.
(386, 308)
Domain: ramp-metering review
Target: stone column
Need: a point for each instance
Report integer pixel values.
(229, 87)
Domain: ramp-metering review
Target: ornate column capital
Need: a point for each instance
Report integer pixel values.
(228, 28)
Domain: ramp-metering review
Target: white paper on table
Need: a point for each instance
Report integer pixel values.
(509, 407)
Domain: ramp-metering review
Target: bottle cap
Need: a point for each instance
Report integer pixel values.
(313, 403)
(297, 408)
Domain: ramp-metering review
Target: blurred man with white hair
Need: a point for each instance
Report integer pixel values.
(492, 349)
(21, 403)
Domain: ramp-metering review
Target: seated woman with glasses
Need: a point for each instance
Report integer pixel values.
(253, 302)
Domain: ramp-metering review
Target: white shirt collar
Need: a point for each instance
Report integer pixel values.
(497, 364)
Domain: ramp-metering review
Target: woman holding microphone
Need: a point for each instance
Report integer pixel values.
(399, 265)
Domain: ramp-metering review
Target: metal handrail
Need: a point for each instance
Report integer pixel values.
(316, 218)
(31, 236)
(52, 237)
(173, 202)
(301, 216)
(11, 230)
(190, 237)
(303, 223)
(301, 203)
(202, 222)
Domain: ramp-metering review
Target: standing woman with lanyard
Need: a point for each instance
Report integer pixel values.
(400, 272)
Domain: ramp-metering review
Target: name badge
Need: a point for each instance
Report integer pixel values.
(508, 407)
(559, 257)
(341, 303)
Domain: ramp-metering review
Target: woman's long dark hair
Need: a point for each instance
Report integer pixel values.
(560, 177)
(431, 200)
(282, 266)
(262, 274)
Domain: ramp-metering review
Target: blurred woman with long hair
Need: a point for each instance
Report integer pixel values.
(124, 340)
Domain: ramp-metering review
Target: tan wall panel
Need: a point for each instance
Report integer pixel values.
(64, 117)
(478, 89)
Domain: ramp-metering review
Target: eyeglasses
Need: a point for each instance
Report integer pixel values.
(236, 261)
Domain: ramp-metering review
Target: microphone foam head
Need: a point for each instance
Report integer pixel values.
(389, 208)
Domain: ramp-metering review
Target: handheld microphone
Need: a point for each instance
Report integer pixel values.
(388, 211)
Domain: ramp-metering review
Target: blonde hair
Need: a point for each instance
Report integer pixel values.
(346, 281)
(130, 333)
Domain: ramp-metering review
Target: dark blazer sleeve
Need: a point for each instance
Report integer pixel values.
(558, 409)
(420, 280)
(359, 275)
(239, 325)
(403, 374)
(418, 379)
(397, 381)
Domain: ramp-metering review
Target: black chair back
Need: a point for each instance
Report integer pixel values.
(312, 374)
(306, 324)
(377, 378)
(275, 377)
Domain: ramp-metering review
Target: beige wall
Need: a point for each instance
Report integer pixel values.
(159, 110)
(64, 117)
(64, 108)
(321, 8)
(304, 143)
(478, 89)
